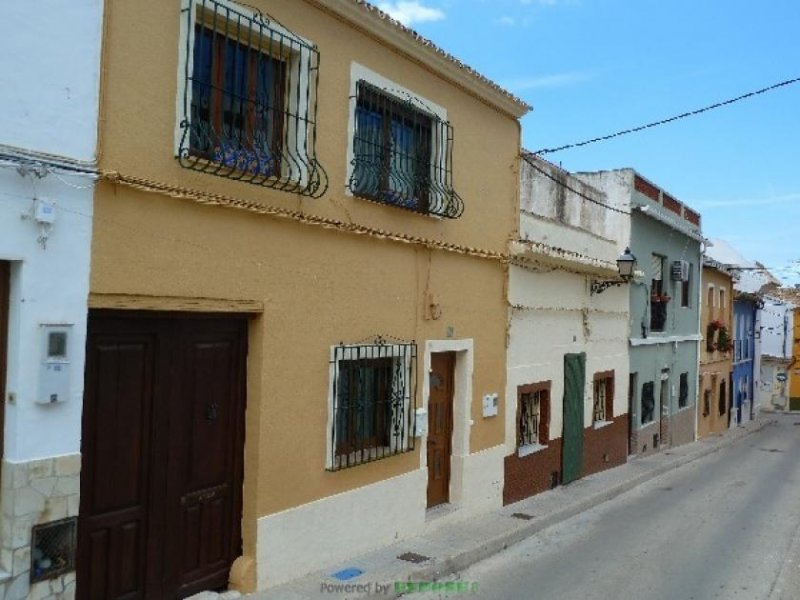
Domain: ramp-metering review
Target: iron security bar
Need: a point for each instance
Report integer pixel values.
(374, 402)
(402, 154)
(250, 100)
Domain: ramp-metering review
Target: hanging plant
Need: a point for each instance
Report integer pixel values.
(723, 339)
(715, 324)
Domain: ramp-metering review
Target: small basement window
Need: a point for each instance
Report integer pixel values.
(53, 548)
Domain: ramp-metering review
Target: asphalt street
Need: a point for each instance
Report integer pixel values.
(724, 526)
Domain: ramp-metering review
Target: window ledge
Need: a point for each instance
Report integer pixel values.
(601, 424)
(529, 449)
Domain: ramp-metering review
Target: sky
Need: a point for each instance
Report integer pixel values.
(594, 67)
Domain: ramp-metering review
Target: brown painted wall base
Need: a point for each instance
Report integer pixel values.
(531, 474)
(603, 449)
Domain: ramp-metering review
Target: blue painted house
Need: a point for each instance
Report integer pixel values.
(745, 307)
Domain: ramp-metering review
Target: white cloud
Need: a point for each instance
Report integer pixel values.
(409, 12)
(506, 20)
(547, 81)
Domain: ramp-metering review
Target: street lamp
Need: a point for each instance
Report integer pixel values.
(626, 265)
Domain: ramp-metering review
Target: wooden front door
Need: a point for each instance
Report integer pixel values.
(440, 427)
(163, 440)
(5, 284)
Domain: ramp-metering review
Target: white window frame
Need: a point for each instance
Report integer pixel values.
(294, 103)
(359, 72)
(395, 351)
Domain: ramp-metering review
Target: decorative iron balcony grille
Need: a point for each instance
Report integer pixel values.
(374, 401)
(249, 100)
(402, 154)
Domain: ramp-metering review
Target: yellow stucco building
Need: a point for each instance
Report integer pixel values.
(297, 331)
(716, 367)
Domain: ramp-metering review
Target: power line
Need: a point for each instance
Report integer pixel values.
(670, 119)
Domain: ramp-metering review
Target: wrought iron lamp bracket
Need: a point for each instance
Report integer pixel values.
(598, 287)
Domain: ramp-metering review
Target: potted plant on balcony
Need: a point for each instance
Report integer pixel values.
(723, 339)
(660, 298)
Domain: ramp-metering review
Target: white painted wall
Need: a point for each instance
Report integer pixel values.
(776, 328)
(552, 312)
(49, 97)
(48, 285)
(49, 72)
(555, 315)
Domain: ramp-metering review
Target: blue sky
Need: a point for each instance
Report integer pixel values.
(593, 67)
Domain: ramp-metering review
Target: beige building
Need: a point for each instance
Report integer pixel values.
(297, 329)
(716, 367)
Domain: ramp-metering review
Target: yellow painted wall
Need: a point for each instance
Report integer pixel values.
(794, 374)
(715, 366)
(318, 286)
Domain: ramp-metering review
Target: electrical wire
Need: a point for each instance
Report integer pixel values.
(527, 158)
(669, 119)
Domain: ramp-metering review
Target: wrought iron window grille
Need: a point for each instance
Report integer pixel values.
(373, 401)
(250, 92)
(600, 388)
(402, 153)
(530, 411)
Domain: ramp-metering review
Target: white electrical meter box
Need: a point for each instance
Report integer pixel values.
(490, 405)
(44, 211)
(54, 375)
(420, 422)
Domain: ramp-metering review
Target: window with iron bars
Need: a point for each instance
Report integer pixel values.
(373, 402)
(533, 422)
(603, 397)
(402, 154)
(249, 99)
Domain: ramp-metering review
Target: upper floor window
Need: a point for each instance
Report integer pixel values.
(248, 99)
(658, 294)
(721, 298)
(711, 296)
(686, 287)
(401, 152)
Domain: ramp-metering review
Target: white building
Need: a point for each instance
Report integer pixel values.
(776, 325)
(570, 239)
(48, 132)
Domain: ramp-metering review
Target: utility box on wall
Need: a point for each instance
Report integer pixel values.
(55, 371)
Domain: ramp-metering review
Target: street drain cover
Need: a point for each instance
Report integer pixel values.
(523, 516)
(413, 557)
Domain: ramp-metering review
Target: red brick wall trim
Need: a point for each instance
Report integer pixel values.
(649, 190)
(671, 204)
(691, 216)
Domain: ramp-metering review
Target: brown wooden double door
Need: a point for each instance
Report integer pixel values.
(440, 427)
(163, 436)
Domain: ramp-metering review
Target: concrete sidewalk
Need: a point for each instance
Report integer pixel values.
(455, 546)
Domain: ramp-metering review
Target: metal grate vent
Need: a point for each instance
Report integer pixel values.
(413, 557)
(53, 548)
